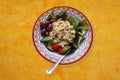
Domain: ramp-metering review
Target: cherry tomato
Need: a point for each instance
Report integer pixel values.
(55, 47)
(60, 51)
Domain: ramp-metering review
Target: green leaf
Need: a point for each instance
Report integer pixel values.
(82, 28)
(74, 21)
(75, 45)
(62, 14)
(79, 33)
(83, 24)
(64, 49)
(77, 41)
(49, 46)
(49, 16)
(80, 39)
(84, 32)
(46, 39)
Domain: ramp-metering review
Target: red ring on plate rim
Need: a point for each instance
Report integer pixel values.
(82, 15)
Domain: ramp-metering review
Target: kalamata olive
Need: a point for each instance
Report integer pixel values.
(50, 27)
(41, 25)
(52, 20)
(46, 23)
(47, 33)
(43, 32)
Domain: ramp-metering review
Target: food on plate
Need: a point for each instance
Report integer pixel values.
(62, 32)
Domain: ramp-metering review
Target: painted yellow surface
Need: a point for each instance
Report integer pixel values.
(20, 61)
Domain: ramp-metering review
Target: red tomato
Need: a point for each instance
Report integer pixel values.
(60, 51)
(55, 46)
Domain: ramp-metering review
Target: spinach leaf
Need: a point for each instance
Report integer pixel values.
(80, 39)
(77, 41)
(46, 39)
(79, 33)
(49, 45)
(83, 24)
(62, 14)
(49, 16)
(83, 27)
(74, 21)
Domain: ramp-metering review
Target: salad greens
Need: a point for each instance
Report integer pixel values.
(62, 14)
(46, 39)
(49, 16)
(80, 26)
(74, 21)
(49, 45)
(66, 48)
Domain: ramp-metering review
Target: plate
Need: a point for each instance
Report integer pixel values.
(83, 49)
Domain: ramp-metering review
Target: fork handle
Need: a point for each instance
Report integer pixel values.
(49, 71)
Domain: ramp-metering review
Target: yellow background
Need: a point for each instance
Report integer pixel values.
(20, 61)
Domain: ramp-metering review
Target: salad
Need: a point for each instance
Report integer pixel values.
(63, 33)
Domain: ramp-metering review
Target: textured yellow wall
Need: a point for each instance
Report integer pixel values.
(20, 61)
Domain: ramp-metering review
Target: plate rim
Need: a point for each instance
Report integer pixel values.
(82, 15)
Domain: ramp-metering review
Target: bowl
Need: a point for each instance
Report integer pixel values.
(83, 49)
